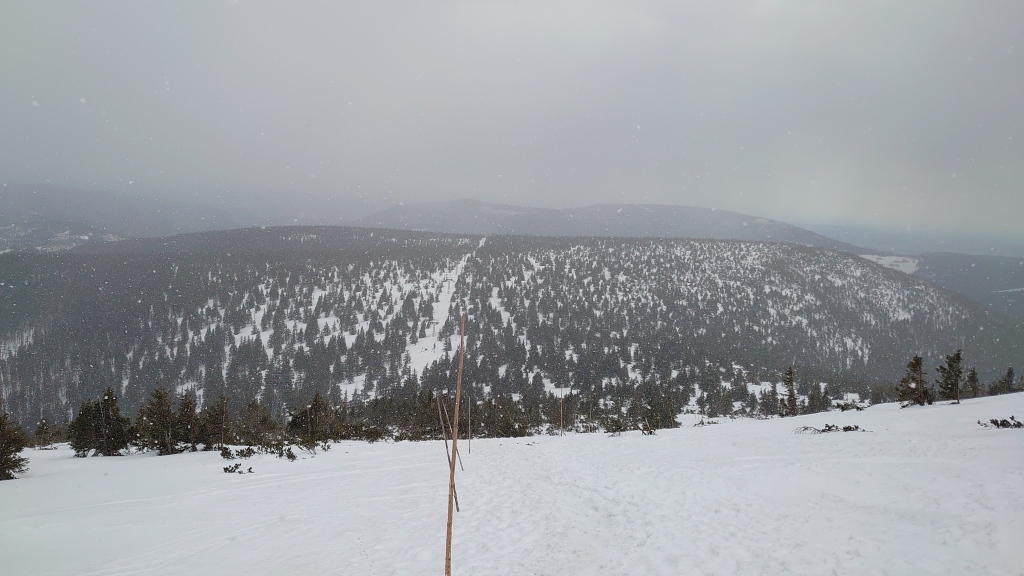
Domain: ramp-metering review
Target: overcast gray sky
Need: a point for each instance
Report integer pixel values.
(889, 113)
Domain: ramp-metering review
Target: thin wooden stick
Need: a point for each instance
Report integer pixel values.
(471, 425)
(455, 440)
(444, 429)
(453, 436)
(444, 435)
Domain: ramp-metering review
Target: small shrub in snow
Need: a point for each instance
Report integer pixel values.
(828, 428)
(375, 434)
(996, 423)
(646, 429)
(614, 427)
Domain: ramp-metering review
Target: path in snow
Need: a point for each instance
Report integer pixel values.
(430, 348)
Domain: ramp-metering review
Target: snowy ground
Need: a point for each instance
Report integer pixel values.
(926, 491)
(902, 263)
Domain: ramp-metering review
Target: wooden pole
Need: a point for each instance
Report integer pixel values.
(455, 449)
(444, 435)
(449, 424)
(471, 424)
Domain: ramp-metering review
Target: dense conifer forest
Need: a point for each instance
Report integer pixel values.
(581, 333)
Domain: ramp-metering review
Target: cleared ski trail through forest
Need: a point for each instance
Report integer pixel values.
(926, 491)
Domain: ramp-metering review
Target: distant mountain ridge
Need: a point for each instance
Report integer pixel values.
(600, 220)
(917, 243)
(133, 214)
(50, 236)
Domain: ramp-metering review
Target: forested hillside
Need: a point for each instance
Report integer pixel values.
(369, 319)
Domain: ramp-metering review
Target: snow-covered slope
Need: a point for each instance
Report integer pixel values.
(924, 491)
(753, 301)
(342, 311)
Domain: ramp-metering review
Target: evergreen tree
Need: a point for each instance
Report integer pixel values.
(83, 432)
(814, 398)
(116, 429)
(1004, 385)
(213, 379)
(216, 424)
(1008, 387)
(789, 408)
(654, 408)
(314, 423)
(187, 426)
(256, 426)
(12, 442)
(877, 394)
(826, 400)
(770, 400)
(951, 377)
(973, 385)
(100, 426)
(912, 387)
(156, 423)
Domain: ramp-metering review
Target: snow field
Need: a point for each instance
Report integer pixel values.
(926, 491)
(901, 263)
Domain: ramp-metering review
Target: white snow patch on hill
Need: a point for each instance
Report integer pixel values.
(430, 348)
(901, 263)
(926, 491)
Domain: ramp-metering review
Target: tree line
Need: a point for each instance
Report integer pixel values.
(954, 382)
(169, 424)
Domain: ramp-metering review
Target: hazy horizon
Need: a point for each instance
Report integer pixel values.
(869, 115)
